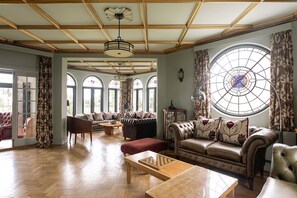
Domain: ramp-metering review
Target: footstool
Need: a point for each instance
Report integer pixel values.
(144, 144)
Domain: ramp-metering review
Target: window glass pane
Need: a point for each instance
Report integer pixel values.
(134, 100)
(6, 78)
(70, 80)
(153, 82)
(240, 79)
(139, 100)
(118, 101)
(111, 100)
(97, 100)
(70, 92)
(92, 81)
(114, 84)
(87, 100)
(5, 99)
(151, 99)
(137, 84)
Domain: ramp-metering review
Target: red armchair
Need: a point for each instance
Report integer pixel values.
(5, 126)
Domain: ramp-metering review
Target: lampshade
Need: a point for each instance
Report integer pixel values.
(198, 95)
(118, 47)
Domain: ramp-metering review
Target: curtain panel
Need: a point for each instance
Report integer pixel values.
(44, 125)
(282, 79)
(126, 96)
(202, 81)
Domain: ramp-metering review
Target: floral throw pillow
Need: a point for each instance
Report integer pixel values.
(234, 132)
(206, 128)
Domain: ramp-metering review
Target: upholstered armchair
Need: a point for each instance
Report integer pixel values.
(283, 175)
(5, 126)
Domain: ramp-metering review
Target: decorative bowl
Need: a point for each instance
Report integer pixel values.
(113, 122)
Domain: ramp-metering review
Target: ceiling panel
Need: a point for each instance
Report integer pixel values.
(219, 13)
(197, 34)
(22, 14)
(95, 46)
(127, 34)
(88, 34)
(263, 12)
(172, 34)
(68, 46)
(14, 35)
(139, 47)
(159, 47)
(50, 34)
(69, 14)
(134, 7)
(169, 13)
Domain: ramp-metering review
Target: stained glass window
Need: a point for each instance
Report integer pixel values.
(240, 80)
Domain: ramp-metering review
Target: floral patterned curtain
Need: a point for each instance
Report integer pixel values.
(44, 125)
(126, 96)
(201, 78)
(282, 79)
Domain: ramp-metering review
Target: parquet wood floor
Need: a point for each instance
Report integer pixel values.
(81, 170)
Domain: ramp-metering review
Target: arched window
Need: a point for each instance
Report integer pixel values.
(113, 96)
(137, 95)
(71, 95)
(92, 95)
(239, 80)
(152, 94)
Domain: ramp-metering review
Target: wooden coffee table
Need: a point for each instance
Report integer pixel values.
(109, 127)
(167, 172)
(196, 182)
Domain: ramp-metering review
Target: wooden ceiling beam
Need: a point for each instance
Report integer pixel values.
(189, 22)
(131, 1)
(131, 65)
(42, 13)
(97, 19)
(143, 14)
(241, 16)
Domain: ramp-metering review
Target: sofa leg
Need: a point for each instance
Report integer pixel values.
(251, 182)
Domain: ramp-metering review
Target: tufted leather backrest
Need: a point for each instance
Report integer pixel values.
(284, 162)
(5, 118)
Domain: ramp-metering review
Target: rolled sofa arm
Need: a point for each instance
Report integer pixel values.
(254, 148)
(181, 131)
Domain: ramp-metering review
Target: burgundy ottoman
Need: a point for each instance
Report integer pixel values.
(144, 144)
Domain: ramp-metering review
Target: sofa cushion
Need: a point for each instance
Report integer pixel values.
(206, 128)
(89, 116)
(81, 116)
(98, 116)
(196, 145)
(233, 132)
(139, 114)
(107, 116)
(278, 188)
(225, 151)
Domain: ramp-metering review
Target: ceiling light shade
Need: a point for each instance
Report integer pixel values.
(119, 78)
(118, 47)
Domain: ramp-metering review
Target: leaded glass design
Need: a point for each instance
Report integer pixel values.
(92, 81)
(153, 82)
(137, 84)
(240, 80)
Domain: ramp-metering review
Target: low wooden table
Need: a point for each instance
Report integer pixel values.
(109, 127)
(167, 172)
(194, 183)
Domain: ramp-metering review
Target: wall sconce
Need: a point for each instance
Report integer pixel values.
(181, 74)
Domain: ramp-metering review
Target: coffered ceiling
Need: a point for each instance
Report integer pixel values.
(158, 26)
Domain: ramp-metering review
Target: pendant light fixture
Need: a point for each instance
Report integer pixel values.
(118, 47)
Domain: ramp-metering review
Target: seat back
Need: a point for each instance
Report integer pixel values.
(77, 125)
(284, 162)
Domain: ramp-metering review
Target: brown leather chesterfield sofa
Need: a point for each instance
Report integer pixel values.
(5, 126)
(245, 160)
(283, 175)
(134, 128)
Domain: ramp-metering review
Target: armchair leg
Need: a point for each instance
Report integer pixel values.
(91, 136)
(251, 182)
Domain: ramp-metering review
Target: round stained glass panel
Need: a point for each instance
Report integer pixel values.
(240, 80)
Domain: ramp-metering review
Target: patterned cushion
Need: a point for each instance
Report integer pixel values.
(98, 116)
(90, 116)
(234, 132)
(206, 128)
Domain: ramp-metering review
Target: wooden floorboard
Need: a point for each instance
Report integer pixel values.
(81, 170)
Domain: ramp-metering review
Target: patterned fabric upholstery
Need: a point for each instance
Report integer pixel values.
(234, 132)
(206, 128)
(5, 125)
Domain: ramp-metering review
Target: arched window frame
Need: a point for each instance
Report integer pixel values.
(114, 91)
(152, 89)
(137, 95)
(71, 109)
(93, 90)
(256, 80)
